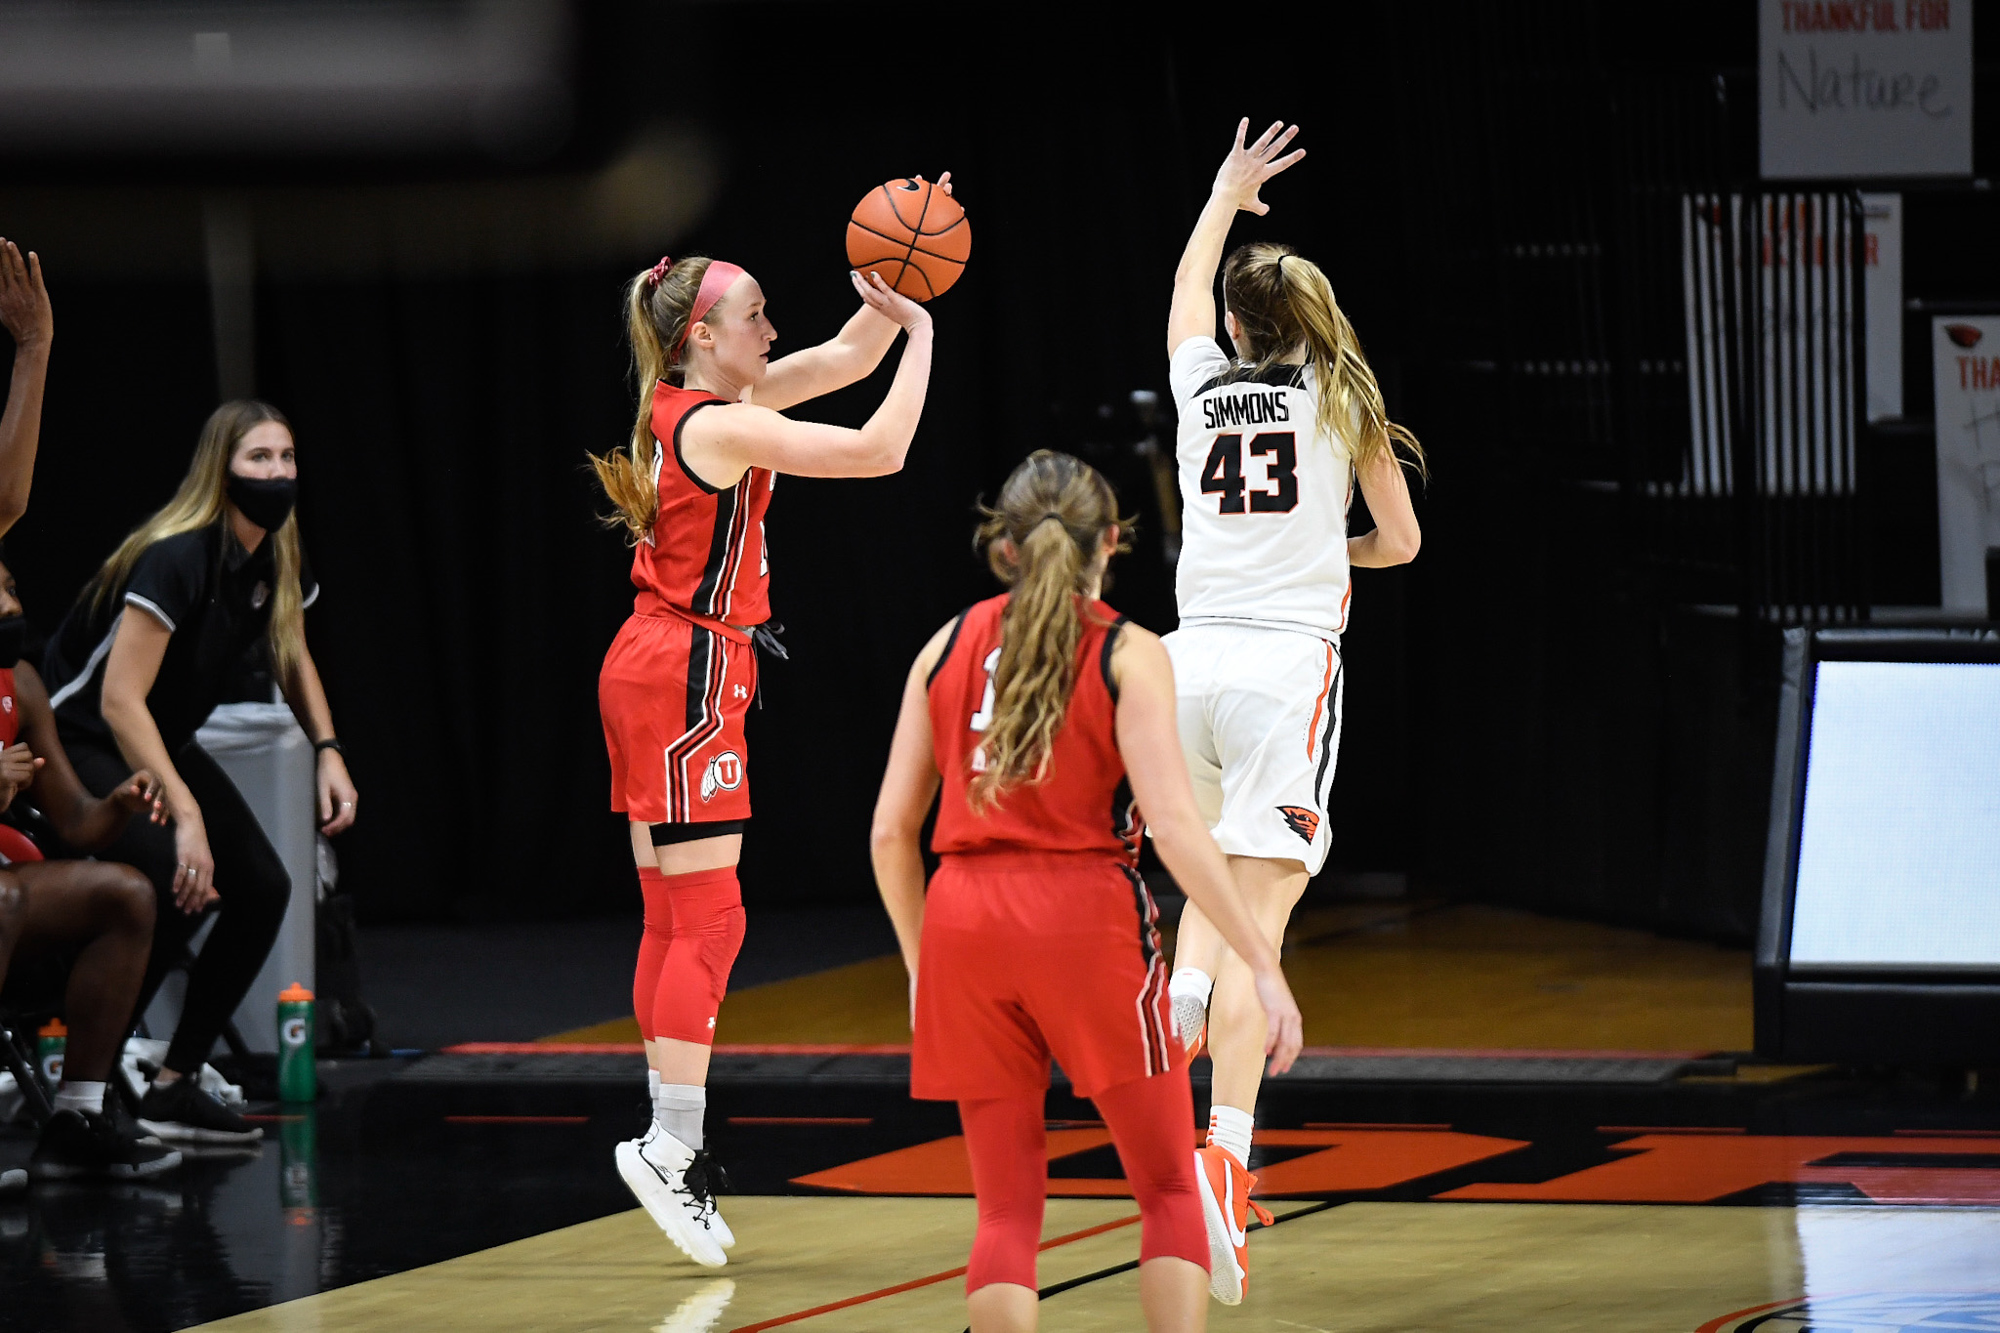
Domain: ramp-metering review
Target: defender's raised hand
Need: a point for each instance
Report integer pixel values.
(1246, 169)
(24, 299)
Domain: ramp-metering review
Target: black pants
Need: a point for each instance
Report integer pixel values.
(254, 887)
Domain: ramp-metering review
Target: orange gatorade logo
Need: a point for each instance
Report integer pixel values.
(1300, 820)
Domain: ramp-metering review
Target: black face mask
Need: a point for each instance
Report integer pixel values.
(267, 503)
(13, 634)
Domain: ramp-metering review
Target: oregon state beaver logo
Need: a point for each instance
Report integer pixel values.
(724, 773)
(1300, 820)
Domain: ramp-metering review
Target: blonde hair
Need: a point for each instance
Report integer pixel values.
(201, 500)
(657, 306)
(1281, 300)
(1041, 540)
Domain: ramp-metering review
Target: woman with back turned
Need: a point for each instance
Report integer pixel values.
(1048, 723)
(148, 650)
(1272, 442)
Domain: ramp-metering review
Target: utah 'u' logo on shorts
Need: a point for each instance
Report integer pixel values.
(1301, 821)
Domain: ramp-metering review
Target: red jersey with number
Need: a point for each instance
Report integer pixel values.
(1084, 803)
(10, 709)
(705, 558)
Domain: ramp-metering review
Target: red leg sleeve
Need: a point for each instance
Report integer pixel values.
(1152, 1122)
(1006, 1139)
(694, 975)
(653, 942)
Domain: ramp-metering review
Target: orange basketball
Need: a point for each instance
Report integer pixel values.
(913, 234)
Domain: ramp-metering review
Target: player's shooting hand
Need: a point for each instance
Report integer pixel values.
(943, 182)
(1284, 1029)
(24, 300)
(1245, 170)
(142, 794)
(886, 301)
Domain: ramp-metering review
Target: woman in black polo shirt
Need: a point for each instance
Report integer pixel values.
(136, 667)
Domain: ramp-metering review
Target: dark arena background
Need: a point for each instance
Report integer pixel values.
(1554, 988)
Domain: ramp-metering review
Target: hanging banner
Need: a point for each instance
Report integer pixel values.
(1882, 297)
(1965, 360)
(1864, 88)
(1770, 303)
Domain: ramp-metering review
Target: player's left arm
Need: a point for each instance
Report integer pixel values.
(1242, 174)
(850, 356)
(85, 822)
(1396, 536)
(909, 785)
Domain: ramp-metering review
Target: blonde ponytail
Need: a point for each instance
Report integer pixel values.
(657, 305)
(1280, 300)
(1041, 540)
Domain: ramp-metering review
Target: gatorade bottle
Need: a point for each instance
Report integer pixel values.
(50, 1043)
(297, 1079)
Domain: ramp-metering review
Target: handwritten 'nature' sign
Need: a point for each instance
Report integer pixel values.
(1865, 88)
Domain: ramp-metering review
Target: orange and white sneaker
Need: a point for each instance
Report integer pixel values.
(1226, 1208)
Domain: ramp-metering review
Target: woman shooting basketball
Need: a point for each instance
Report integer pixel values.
(677, 682)
(1271, 443)
(1042, 715)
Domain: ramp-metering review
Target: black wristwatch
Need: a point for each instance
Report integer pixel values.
(330, 743)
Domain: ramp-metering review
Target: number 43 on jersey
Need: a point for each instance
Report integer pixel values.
(1222, 475)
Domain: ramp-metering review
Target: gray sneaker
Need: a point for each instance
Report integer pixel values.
(180, 1112)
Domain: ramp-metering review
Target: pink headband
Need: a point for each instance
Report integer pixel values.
(714, 282)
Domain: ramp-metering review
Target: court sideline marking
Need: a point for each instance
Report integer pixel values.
(1129, 1265)
(945, 1276)
(1041, 1295)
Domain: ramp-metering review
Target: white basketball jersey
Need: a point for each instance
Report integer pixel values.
(1265, 488)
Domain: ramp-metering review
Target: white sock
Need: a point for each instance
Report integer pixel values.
(1229, 1129)
(80, 1097)
(678, 1109)
(652, 1085)
(1191, 983)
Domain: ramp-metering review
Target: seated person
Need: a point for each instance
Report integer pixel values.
(90, 919)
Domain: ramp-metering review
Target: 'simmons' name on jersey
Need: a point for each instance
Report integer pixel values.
(1250, 409)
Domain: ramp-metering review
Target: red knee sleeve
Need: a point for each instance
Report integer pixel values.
(1152, 1122)
(1007, 1141)
(707, 931)
(659, 933)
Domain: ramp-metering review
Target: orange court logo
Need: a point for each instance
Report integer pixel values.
(724, 773)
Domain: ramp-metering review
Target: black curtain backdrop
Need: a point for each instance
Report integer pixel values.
(1510, 698)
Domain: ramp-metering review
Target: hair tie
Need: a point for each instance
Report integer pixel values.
(1052, 514)
(657, 274)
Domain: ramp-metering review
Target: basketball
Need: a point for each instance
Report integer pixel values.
(913, 234)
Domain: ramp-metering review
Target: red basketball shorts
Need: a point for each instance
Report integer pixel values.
(1033, 954)
(673, 695)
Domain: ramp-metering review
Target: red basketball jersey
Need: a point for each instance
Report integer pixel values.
(705, 557)
(1084, 803)
(10, 708)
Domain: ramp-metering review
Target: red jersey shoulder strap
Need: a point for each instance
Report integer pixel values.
(950, 643)
(671, 409)
(1111, 633)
